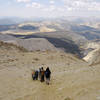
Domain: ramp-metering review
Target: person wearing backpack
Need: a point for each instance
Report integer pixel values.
(39, 74)
(42, 75)
(47, 75)
(35, 75)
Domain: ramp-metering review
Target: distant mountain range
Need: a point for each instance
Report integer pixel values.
(60, 34)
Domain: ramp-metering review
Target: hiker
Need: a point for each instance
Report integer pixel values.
(35, 75)
(42, 74)
(39, 74)
(47, 75)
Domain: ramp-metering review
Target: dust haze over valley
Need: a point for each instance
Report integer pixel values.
(69, 46)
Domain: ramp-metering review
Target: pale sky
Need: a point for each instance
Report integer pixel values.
(49, 8)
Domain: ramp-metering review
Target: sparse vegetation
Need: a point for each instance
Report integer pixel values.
(94, 64)
(68, 98)
(67, 73)
(36, 59)
(10, 46)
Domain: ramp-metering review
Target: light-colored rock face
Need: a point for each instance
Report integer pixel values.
(93, 57)
(29, 23)
(46, 29)
(93, 45)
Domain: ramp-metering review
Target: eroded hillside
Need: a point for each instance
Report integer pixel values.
(71, 79)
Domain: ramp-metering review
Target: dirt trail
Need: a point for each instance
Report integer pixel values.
(72, 79)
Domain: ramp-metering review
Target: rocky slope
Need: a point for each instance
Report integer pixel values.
(93, 52)
(11, 47)
(45, 41)
(31, 44)
(53, 35)
(34, 44)
(93, 57)
(71, 79)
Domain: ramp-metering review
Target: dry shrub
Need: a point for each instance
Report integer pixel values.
(36, 59)
(94, 64)
(68, 98)
(11, 46)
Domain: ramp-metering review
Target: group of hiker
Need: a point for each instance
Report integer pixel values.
(42, 75)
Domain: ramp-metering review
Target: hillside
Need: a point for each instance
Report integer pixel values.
(34, 44)
(4, 46)
(6, 37)
(92, 52)
(93, 57)
(26, 28)
(53, 35)
(57, 45)
(49, 41)
(31, 44)
(72, 78)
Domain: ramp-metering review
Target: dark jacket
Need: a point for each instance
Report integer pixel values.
(47, 73)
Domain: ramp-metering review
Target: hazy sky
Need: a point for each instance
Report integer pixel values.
(49, 8)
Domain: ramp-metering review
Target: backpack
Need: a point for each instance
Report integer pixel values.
(42, 72)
